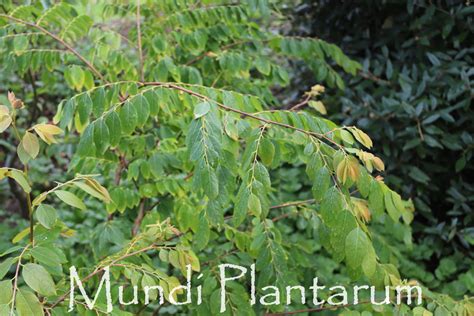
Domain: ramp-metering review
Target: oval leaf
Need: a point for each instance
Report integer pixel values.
(70, 199)
(39, 279)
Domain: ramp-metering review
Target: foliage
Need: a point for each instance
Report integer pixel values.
(171, 124)
(414, 96)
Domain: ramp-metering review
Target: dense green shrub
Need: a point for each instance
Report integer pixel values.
(414, 95)
(164, 112)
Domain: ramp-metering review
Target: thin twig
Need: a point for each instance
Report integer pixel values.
(15, 283)
(285, 215)
(295, 203)
(287, 204)
(422, 137)
(225, 47)
(139, 218)
(245, 114)
(370, 76)
(301, 104)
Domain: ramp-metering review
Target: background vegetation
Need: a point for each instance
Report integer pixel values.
(417, 104)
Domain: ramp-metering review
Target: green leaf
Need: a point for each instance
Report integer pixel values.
(421, 311)
(128, 118)
(254, 205)
(241, 205)
(101, 136)
(460, 163)
(376, 198)
(5, 266)
(364, 182)
(369, 264)
(84, 108)
(68, 113)
(70, 199)
(86, 146)
(346, 223)
(4, 309)
(210, 182)
(330, 206)
(321, 183)
(76, 77)
(115, 130)
(27, 304)
(45, 256)
(23, 155)
(6, 291)
(347, 137)
(143, 109)
(98, 102)
(266, 151)
(148, 280)
(263, 66)
(201, 237)
(46, 215)
(20, 178)
(357, 245)
(201, 109)
(37, 278)
(76, 28)
(392, 210)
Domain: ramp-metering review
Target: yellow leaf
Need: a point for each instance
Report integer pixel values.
(3, 173)
(361, 209)
(67, 232)
(341, 171)
(47, 138)
(370, 161)
(378, 163)
(40, 198)
(318, 106)
(366, 159)
(93, 188)
(101, 189)
(212, 54)
(361, 137)
(193, 260)
(316, 90)
(80, 127)
(30, 144)
(171, 283)
(348, 168)
(353, 168)
(48, 128)
(5, 120)
(47, 132)
(4, 110)
(18, 237)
